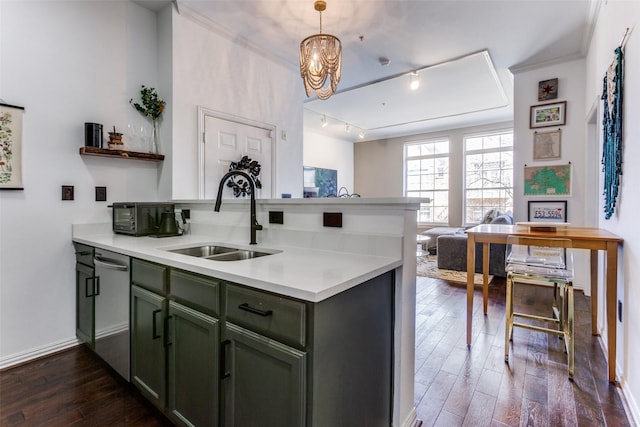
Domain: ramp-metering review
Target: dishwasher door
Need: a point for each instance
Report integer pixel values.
(112, 309)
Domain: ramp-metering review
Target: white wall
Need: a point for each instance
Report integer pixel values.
(571, 82)
(379, 165)
(73, 62)
(213, 72)
(67, 63)
(575, 147)
(614, 17)
(330, 153)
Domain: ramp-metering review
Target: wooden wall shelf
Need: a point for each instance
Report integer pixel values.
(123, 154)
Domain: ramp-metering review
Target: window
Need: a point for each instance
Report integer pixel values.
(488, 169)
(427, 175)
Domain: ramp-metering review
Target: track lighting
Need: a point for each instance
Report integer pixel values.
(414, 80)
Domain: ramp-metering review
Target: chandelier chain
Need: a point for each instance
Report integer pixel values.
(320, 61)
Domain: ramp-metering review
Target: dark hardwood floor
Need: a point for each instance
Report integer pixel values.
(71, 388)
(454, 386)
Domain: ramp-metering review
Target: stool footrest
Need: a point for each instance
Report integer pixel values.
(538, 328)
(534, 317)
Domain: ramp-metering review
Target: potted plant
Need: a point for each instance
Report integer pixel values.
(152, 106)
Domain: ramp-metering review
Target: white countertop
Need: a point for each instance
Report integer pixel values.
(308, 274)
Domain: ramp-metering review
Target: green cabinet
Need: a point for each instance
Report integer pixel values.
(149, 305)
(175, 342)
(193, 366)
(213, 353)
(85, 303)
(148, 356)
(86, 287)
(263, 381)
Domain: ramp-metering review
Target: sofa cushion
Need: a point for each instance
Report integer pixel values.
(502, 219)
(452, 255)
(490, 215)
(436, 232)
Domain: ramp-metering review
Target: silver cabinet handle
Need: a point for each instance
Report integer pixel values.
(110, 263)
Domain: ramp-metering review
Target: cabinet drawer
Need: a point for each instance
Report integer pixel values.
(276, 317)
(84, 254)
(149, 275)
(195, 291)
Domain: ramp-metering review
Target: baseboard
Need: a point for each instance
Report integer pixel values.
(27, 356)
(628, 402)
(412, 419)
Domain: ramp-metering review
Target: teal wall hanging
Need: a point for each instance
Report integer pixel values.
(612, 131)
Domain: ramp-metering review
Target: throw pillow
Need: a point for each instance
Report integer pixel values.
(490, 215)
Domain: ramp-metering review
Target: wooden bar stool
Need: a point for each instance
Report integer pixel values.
(546, 262)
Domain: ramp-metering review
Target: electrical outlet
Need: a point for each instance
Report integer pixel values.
(101, 194)
(332, 219)
(276, 217)
(619, 311)
(67, 192)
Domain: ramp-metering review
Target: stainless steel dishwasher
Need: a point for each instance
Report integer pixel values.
(112, 309)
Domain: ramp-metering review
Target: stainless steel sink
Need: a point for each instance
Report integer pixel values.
(203, 251)
(238, 255)
(220, 253)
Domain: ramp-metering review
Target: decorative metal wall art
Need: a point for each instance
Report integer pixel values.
(240, 186)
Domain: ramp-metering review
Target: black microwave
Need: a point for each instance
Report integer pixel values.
(139, 218)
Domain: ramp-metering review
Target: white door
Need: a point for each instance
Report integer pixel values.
(226, 141)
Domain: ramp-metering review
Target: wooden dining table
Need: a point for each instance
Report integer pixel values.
(589, 238)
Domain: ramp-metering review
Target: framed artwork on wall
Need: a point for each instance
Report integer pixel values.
(553, 180)
(547, 145)
(545, 115)
(11, 147)
(547, 211)
(548, 89)
(320, 182)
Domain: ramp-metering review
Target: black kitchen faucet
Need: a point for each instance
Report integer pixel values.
(254, 222)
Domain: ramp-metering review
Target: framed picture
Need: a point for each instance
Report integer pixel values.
(552, 180)
(546, 145)
(319, 182)
(547, 211)
(548, 89)
(545, 115)
(11, 147)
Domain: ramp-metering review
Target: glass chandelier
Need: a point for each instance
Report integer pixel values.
(320, 60)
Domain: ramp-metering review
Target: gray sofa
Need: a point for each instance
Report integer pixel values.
(452, 251)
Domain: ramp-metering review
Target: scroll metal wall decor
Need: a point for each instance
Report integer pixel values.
(612, 130)
(11, 147)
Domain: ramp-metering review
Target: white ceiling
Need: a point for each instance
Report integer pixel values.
(464, 50)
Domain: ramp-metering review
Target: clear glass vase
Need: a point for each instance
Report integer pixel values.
(154, 146)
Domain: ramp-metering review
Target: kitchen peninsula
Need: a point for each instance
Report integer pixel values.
(318, 269)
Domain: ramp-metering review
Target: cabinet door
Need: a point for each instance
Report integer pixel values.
(85, 304)
(148, 357)
(263, 381)
(193, 366)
